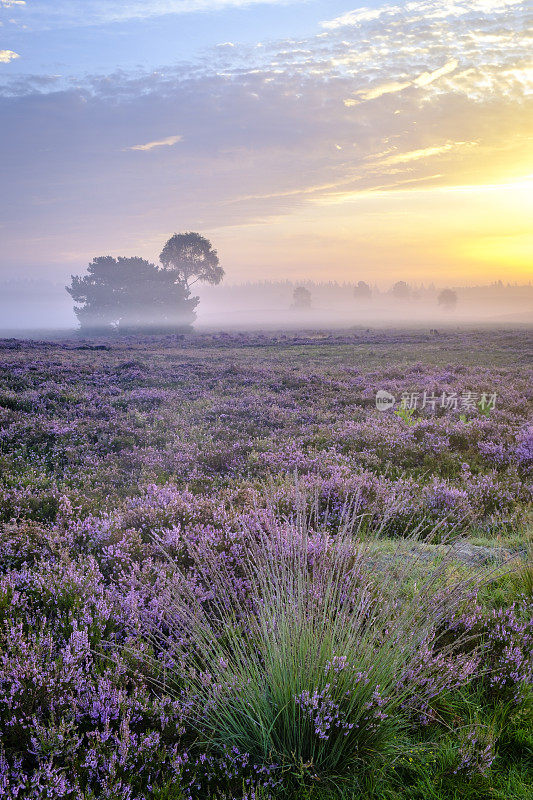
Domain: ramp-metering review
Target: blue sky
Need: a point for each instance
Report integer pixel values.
(79, 36)
(305, 138)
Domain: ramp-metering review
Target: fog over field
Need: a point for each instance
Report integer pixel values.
(334, 305)
(41, 305)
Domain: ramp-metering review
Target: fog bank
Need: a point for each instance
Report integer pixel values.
(27, 305)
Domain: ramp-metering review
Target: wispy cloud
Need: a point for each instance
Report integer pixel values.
(168, 142)
(377, 91)
(7, 55)
(423, 153)
(52, 13)
(424, 79)
(428, 77)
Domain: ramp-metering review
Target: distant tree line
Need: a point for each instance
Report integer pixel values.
(401, 290)
(302, 297)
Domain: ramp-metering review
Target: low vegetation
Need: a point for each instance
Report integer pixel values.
(225, 574)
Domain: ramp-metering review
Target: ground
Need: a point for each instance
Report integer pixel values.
(108, 445)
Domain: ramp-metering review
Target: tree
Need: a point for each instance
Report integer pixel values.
(301, 298)
(192, 258)
(448, 299)
(362, 291)
(130, 293)
(401, 289)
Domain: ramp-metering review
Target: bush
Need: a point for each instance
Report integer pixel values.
(307, 662)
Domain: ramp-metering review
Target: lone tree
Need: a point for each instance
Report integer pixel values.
(362, 291)
(192, 259)
(129, 294)
(301, 298)
(448, 299)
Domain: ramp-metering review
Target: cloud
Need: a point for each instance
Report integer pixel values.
(168, 142)
(428, 77)
(424, 79)
(78, 13)
(378, 91)
(7, 55)
(423, 153)
(265, 132)
(428, 8)
(354, 18)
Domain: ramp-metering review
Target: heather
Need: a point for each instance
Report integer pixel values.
(224, 573)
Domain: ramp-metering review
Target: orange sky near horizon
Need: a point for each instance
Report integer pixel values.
(471, 234)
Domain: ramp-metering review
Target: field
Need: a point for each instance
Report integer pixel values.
(225, 574)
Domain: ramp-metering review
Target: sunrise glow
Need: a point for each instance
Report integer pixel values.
(309, 138)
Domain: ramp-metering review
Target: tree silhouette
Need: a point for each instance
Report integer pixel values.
(362, 291)
(301, 298)
(401, 289)
(130, 294)
(192, 258)
(448, 299)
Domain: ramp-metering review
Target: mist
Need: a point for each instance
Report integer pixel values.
(39, 306)
(268, 304)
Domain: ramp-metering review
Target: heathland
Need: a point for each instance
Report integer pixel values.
(224, 573)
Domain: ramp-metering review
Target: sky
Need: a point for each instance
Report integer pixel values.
(306, 139)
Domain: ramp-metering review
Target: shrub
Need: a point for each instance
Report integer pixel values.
(308, 662)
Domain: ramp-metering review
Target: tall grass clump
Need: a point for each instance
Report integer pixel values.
(306, 651)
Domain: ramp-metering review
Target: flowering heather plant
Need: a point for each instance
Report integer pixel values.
(524, 448)
(180, 618)
(216, 412)
(508, 638)
(318, 662)
(476, 749)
